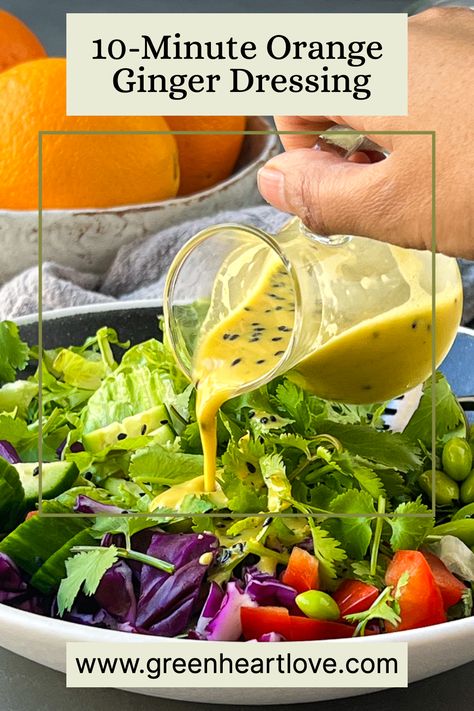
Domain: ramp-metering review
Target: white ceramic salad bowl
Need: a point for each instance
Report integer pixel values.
(431, 650)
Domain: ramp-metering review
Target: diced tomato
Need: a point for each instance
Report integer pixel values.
(261, 620)
(419, 597)
(302, 571)
(450, 587)
(30, 514)
(257, 621)
(355, 596)
(303, 629)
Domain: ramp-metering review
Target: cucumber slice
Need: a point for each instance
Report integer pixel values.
(35, 540)
(97, 440)
(47, 578)
(56, 477)
(11, 495)
(134, 426)
(146, 421)
(163, 434)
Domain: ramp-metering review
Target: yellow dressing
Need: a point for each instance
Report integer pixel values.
(173, 497)
(400, 346)
(241, 348)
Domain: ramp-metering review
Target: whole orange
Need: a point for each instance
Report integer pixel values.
(205, 160)
(17, 42)
(78, 170)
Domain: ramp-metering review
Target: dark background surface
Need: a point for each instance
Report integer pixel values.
(26, 686)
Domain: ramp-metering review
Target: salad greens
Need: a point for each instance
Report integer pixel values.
(296, 473)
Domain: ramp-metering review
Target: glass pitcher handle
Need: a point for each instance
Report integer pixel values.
(345, 142)
(334, 240)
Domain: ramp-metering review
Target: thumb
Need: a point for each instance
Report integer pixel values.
(332, 195)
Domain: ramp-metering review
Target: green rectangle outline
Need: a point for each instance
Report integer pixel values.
(179, 515)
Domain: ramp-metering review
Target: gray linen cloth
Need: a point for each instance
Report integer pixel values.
(139, 270)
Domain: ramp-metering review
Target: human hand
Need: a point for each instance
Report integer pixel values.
(391, 200)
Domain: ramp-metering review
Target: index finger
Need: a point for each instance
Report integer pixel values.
(302, 123)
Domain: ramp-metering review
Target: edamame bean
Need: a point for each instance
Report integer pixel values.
(467, 489)
(471, 440)
(446, 490)
(463, 529)
(464, 512)
(318, 605)
(457, 458)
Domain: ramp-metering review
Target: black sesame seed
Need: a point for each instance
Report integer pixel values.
(277, 338)
(143, 430)
(268, 311)
(247, 308)
(259, 362)
(284, 328)
(251, 468)
(226, 336)
(251, 414)
(253, 340)
(414, 324)
(122, 435)
(236, 361)
(367, 387)
(233, 337)
(279, 308)
(88, 476)
(36, 471)
(264, 420)
(279, 353)
(428, 326)
(163, 422)
(255, 323)
(273, 418)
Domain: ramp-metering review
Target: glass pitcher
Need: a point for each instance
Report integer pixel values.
(348, 318)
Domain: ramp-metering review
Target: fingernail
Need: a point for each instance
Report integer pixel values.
(271, 183)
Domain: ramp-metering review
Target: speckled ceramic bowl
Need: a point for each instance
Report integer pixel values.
(89, 239)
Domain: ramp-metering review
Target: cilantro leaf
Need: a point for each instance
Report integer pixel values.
(294, 401)
(448, 412)
(361, 571)
(384, 607)
(160, 466)
(244, 496)
(122, 524)
(409, 531)
(369, 481)
(13, 351)
(354, 532)
(327, 550)
(274, 476)
(84, 570)
(393, 450)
